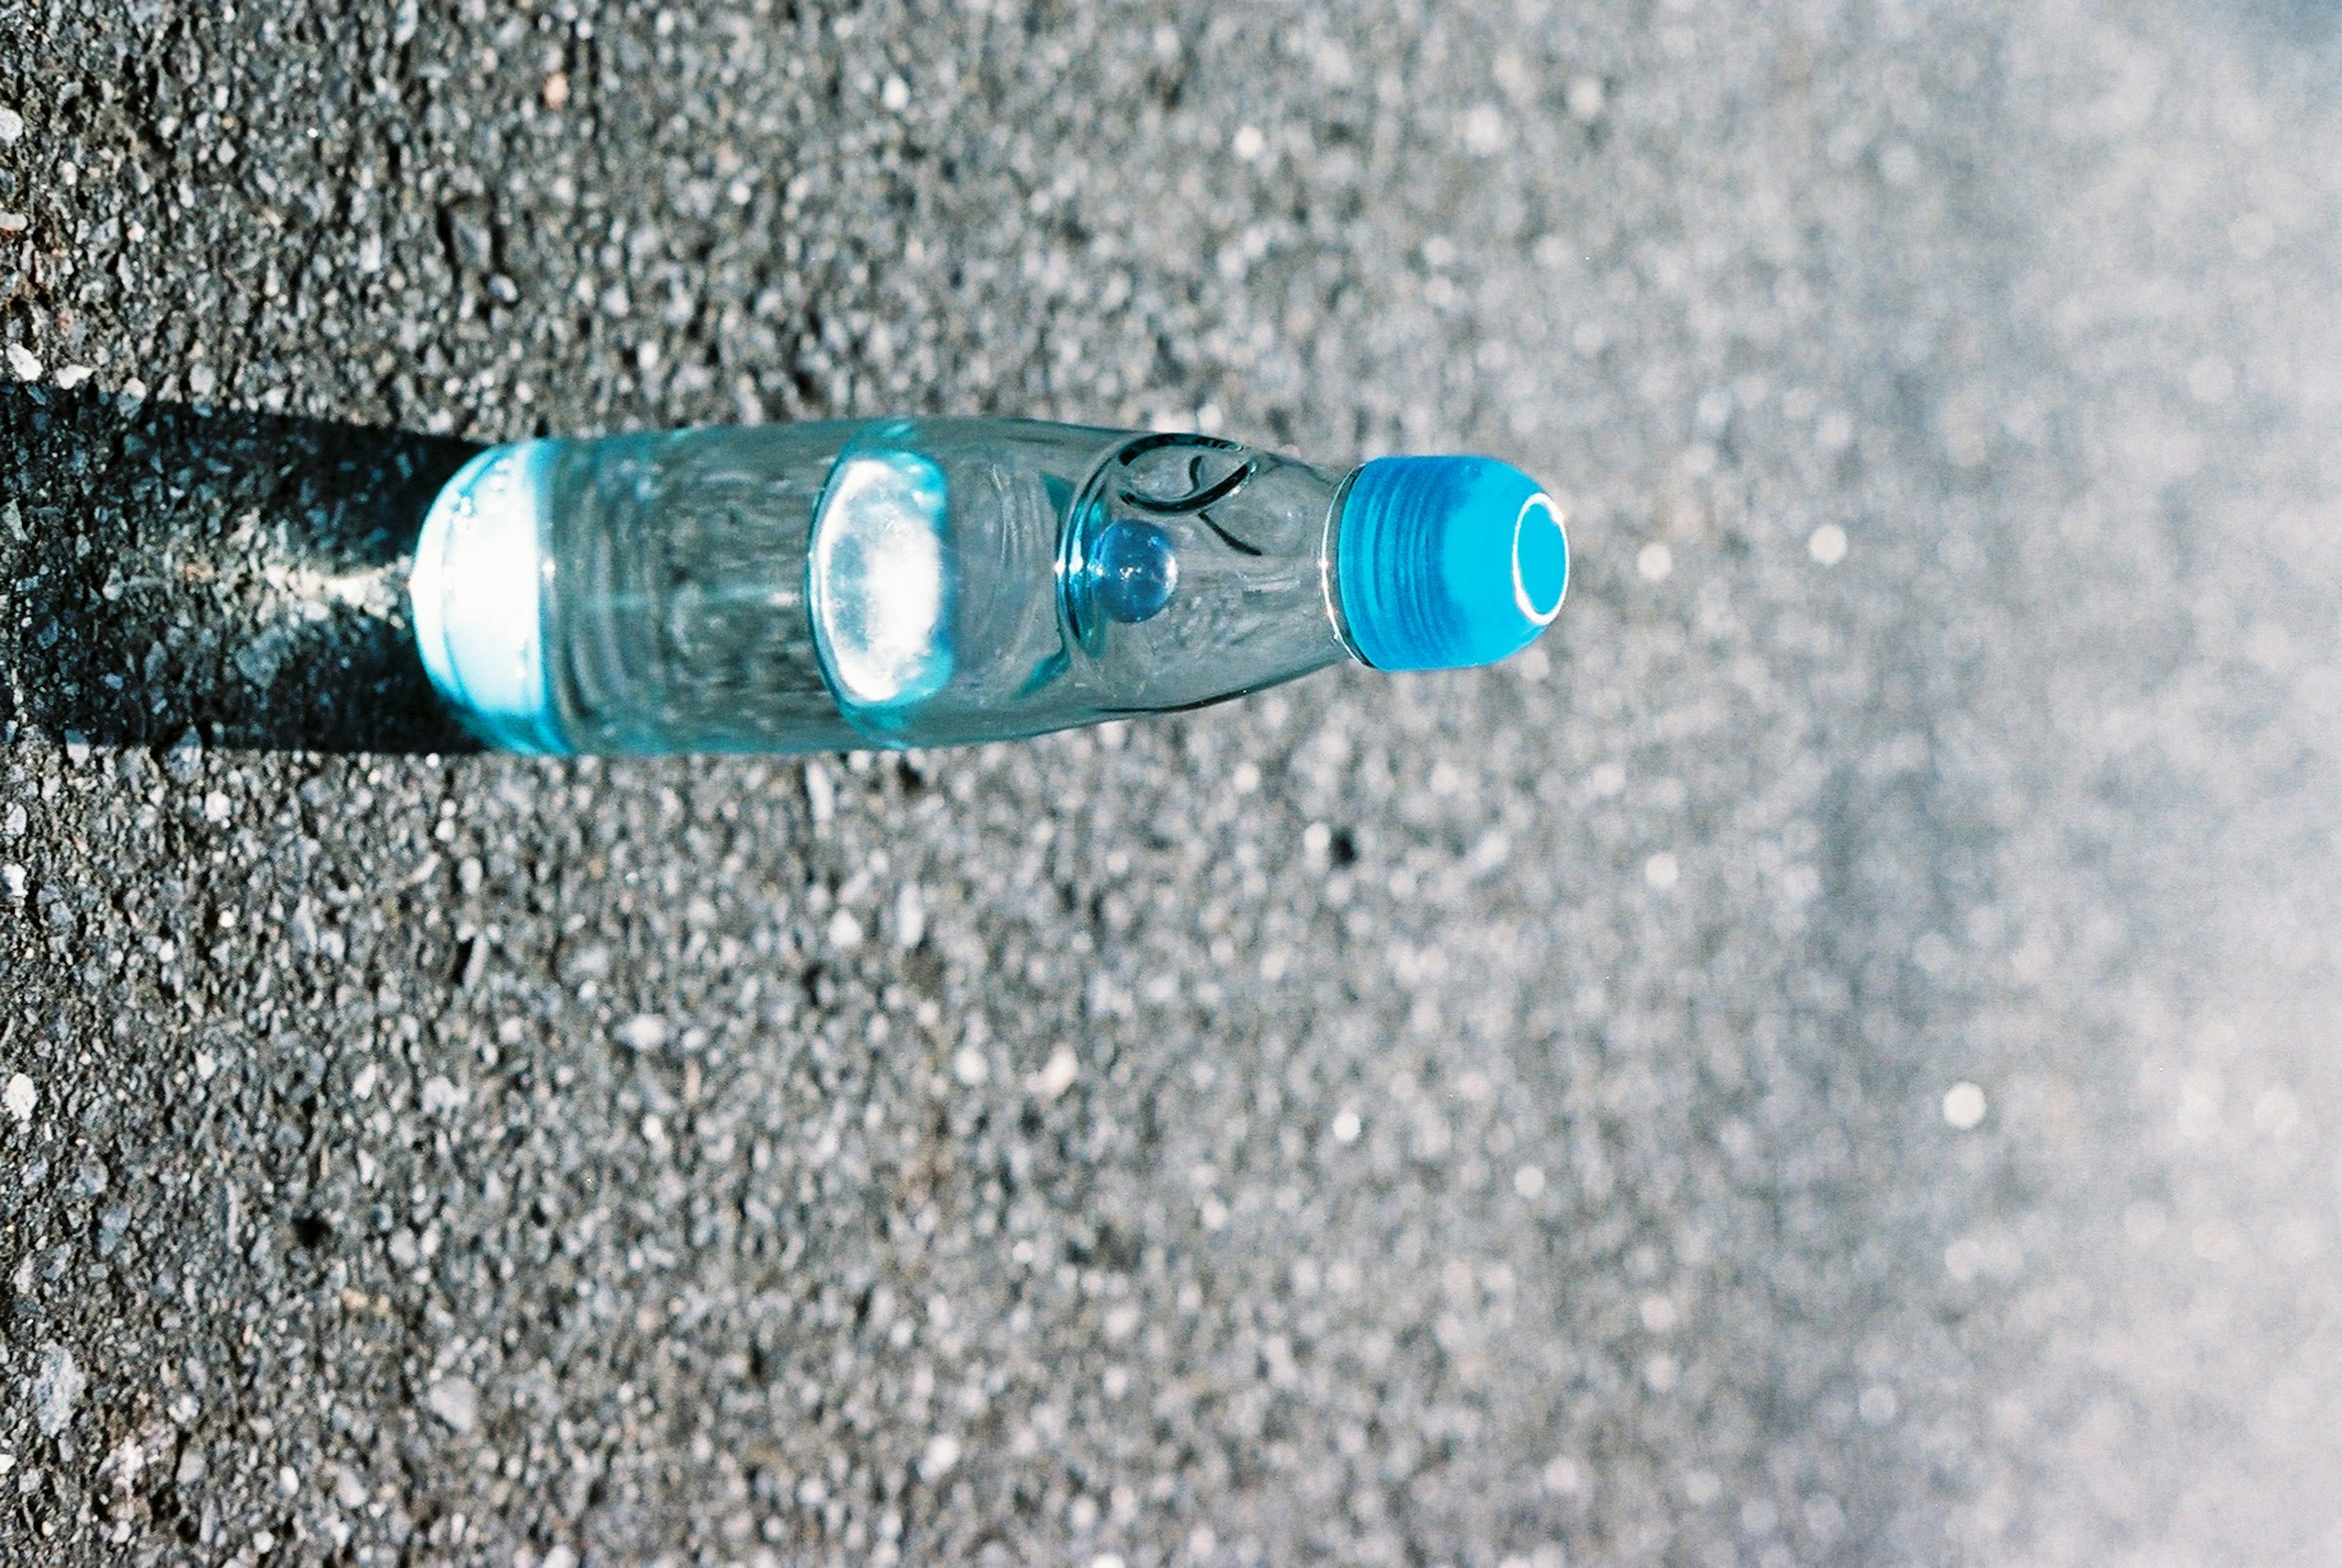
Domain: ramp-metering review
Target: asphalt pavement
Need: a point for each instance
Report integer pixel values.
(1830, 1059)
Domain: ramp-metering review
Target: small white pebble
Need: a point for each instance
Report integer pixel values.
(1528, 1180)
(1485, 130)
(11, 125)
(1058, 1074)
(1249, 143)
(1654, 562)
(1828, 544)
(645, 1032)
(1661, 872)
(821, 794)
(896, 96)
(57, 1388)
(455, 1402)
(21, 1095)
(72, 375)
(21, 362)
(969, 1067)
(1347, 1126)
(844, 931)
(1964, 1106)
(910, 917)
(205, 1065)
(942, 1454)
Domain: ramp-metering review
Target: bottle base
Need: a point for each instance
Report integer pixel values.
(477, 588)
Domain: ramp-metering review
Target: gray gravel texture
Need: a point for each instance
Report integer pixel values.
(1502, 1118)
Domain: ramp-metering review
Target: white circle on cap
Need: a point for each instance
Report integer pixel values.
(1540, 502)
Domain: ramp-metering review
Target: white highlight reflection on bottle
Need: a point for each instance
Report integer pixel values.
(881, 584)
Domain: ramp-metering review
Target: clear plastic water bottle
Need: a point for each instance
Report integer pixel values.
(932, 582)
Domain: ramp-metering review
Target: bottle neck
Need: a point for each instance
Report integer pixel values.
(1246, 533)
(1329, 568)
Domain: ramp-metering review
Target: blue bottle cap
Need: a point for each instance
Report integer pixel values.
(1442, 563)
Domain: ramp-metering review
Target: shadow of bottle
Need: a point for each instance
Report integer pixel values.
(171, 569)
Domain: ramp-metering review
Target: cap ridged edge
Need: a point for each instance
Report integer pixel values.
(1440, 564)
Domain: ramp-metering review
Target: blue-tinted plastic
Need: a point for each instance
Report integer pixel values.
(919, 582)
(1448, 562)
